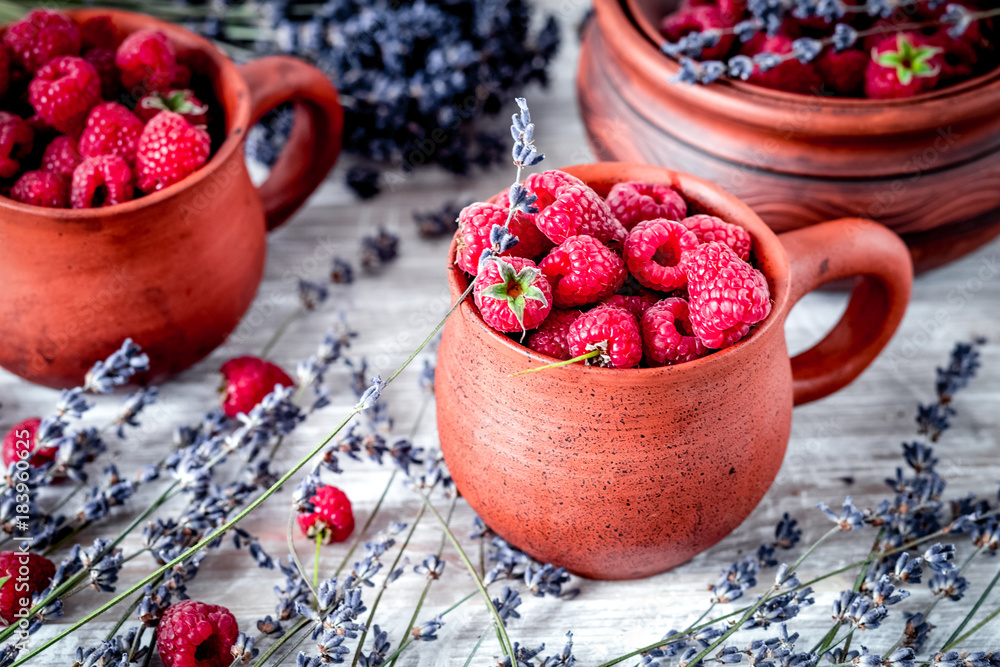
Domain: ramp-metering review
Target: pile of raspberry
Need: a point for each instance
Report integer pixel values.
(887, 63)
(92, 118)
(632, 280)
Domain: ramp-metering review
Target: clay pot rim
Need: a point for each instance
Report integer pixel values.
(766, 246)
(237, 120)
(773, 104)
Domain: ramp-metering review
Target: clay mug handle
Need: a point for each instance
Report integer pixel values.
(840, 249)
(315, 140)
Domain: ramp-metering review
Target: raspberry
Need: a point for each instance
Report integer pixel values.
(698, 19)
(41, 188)
(29, 573)
(16, 141)
(181, 77)
(653, 253)
(64, 91)
(111, 130)
(103, 61)
(332, 515)
(61, 156)
(550, 337)
(196, 634)
(169, 150)
(789, 75)
(727, 295)
(844, 72)
(512, 294)
(4, 71)
(474, 225)
(667, 337)
(637, 304)
(567, 207)
(710, 228)
(100, 181)
(247, 381)
(179, 101)
(24, 437)
(582, 270)
(632, 202)
(99, 32)
(41, 36)
(902, 66)
(147, 60)
(614, 332)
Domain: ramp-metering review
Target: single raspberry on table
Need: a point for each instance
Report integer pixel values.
(568, 207)
(64, 91)
(710, 228)
(103, 61)
(613, 332)
(61, 156)
(637, 304)
(41, 36)
(101, 181)
(111, 129)
(28, 574)
(182, 102)
(24, 437)
(789, 75)
(41, 188)
(16, 142)
(196, 634)
(701, 18)
(667, 337)
(476, 221)
(727, 295)
(903, 65)
(550, 337)
(247, 380)
(512, 294)
(582, 270)
(653, 253)
(331, 516)
(169, 150)
(147, 61)
(633, 202)
(844, 72)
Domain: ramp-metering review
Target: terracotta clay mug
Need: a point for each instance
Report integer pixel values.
(176, 269)
(621, 474)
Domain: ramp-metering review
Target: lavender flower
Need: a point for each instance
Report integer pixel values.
(117, 369)
(850, 517)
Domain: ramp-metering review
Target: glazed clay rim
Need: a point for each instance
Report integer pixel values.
(228, 77)
(749, 103)
(766, 247)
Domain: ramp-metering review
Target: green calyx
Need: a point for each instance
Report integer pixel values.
(178, 101)
(516, 288)
(909, 61)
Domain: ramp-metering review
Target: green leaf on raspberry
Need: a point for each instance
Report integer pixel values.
(909, 60)
(516, 288)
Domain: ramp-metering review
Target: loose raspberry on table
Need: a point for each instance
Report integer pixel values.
(101, 181)
(182, 102)
(568, 207)
(64, 91)
(61, 156)
(147, 61)
(512, 294)
(653, 253)
(41, 188)
(41, 36)
(196, 634)
(331, 519)
(103, 61)
(476, 221)
(613, 332)
(20, 586)
(902, 66)
(710, 228)
(550, 337)
(24, 437)
(727, 295)
(16, 142)
(637, 304)
(111, 129)
(633, 202)
(667, 337)
(247, 380)
(169, 150)
(582, 270)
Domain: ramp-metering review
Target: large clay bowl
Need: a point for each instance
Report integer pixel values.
(927, 167)
(619, 474)
(176, 269)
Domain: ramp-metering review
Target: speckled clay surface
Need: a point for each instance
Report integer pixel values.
(619, 474)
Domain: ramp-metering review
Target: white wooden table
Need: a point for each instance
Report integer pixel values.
(845, 444)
